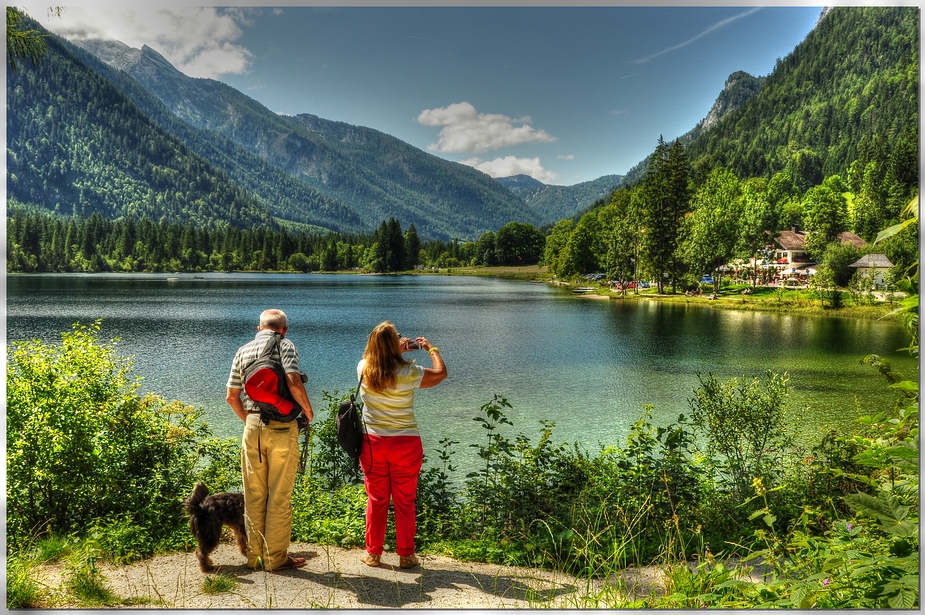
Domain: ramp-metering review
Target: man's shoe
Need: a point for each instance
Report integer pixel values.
(292, 562)
(407, 561)
(371, 559)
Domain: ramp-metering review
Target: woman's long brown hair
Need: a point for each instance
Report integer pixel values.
(383, 357)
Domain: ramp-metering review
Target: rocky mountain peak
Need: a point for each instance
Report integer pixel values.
(739, 88)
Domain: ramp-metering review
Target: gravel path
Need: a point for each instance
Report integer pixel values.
(335, 578)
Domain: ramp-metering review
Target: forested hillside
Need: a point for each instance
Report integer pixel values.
(376, 175)
(829, 144)
(552, 202)
(443, 199)
(76, 146)
(293, 203)
(846, 94)
(740, 87)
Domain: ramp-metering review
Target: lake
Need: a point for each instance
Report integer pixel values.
(587, 365)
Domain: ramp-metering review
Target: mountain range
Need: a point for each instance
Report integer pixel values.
(110, 129)
(301, 172)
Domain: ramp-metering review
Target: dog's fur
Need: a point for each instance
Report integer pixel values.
(207, 514)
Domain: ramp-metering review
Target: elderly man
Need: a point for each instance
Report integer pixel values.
(269, 452)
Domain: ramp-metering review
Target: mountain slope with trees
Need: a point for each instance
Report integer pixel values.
(553, 202)
(291, 202)
(77, 146)
(850, 89)
(828, 144)
(739, 88)
(375, 174)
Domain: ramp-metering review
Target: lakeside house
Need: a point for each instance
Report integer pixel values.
(791, 259)
(873, 266)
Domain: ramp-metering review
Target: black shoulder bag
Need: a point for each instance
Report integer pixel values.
(350, 426)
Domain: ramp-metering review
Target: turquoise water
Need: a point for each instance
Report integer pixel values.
(588, 366)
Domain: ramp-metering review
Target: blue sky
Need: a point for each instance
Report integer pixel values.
(565, 94)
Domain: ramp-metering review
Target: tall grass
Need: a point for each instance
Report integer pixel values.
(23, 591)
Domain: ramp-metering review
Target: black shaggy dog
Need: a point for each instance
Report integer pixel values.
(207, 514)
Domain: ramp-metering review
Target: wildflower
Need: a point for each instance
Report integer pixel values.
(850, 527)
(826, 581)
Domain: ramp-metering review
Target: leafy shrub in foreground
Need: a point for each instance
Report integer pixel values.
(746, 429)
(323, 516)
(642, 498)
(521, 484)
(82, 445)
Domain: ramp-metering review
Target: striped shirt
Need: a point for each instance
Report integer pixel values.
(285, 353)
(391, 412)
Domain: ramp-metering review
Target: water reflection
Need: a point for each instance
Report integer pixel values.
(554, 356)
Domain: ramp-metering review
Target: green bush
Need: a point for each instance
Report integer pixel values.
(642, 499)
(746, 428)
(323, 516)
(327, 463)
(222, 461)
(521, 484)
(83, 446)
(438, 503)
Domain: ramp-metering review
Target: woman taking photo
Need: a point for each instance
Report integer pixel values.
(392, 452)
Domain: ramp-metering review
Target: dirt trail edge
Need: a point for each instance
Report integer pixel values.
(335, 578)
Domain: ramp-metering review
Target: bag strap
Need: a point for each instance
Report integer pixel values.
(359, 384)
(273, 345)
(266, 351)
(356, 462)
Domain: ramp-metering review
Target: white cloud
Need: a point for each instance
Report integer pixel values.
(199, 41)
(465, 130)
(511, 165)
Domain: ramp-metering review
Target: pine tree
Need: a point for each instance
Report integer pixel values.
(390, 252)
(412, 247)
(665, 195)
(21, 43)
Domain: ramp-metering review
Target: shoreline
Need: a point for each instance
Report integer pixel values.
(764, 299)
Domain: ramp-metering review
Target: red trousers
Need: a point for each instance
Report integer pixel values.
(391, 466)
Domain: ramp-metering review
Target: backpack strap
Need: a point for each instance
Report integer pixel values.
(356, 462)
(359, 384)
(272, 345)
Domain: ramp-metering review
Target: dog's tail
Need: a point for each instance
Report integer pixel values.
(193, 502)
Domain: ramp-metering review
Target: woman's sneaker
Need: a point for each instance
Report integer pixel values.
(407, 561)
(371, 559)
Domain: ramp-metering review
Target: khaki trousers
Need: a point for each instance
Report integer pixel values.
(269, 462)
